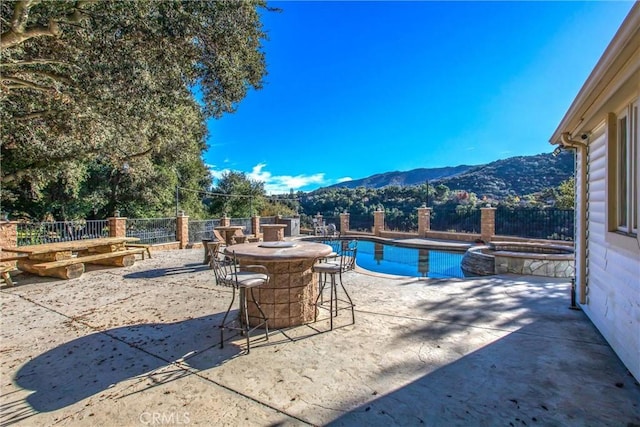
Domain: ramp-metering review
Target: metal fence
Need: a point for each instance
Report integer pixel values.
(267, 220)
(408, 223)
(535, 223)
(456, 220)
(152, 231)
(202, 229)
(33, 233)
(245, 222)
(361, 222)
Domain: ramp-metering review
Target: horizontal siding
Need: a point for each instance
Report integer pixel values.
(613, 294)
(596, 219)
(597, 175)
(611, 316)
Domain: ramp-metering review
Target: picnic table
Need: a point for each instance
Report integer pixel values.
(66, 260)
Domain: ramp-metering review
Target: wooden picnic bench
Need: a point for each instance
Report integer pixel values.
(67, 260)
(145, 248)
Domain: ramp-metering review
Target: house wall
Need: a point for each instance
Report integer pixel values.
(613, 272)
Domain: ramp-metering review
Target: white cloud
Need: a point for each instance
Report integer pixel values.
(345, 179)
(275, 184)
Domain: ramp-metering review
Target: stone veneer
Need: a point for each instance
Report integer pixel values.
(288, 299)
(520, 258)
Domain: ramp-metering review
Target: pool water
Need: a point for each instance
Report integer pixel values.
(401, 261)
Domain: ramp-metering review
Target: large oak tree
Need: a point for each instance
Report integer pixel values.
(98, 96)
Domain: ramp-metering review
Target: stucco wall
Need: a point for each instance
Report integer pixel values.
(613, 285)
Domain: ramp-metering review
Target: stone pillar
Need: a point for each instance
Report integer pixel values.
(319, 220)
(487, 223)
(344, 222)
(9, 235)
(273, 232)
(225, 221)
(182, 229)
(424, 221)
(378, 222)
(255, 226)
(117, 226)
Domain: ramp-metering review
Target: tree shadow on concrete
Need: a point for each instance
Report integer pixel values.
(549, 366)
(171, 271)
(93, 363)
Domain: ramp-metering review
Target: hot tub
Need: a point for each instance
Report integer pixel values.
(529, 258)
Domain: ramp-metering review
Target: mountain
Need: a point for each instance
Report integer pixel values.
(519, 175)
(412, 177)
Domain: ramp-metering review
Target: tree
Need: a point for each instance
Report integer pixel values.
(111, 82)
(566, 194)
(237, 196)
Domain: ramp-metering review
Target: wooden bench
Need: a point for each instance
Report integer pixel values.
(141, 245)
(72, 268)
(14, 258)
(4, 273)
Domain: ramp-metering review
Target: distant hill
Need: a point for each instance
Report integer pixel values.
(513, 176)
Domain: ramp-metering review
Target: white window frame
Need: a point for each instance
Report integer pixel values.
(626, 175)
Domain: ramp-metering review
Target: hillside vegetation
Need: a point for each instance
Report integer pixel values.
(515, 176)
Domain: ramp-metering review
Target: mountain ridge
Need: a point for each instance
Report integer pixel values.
(518, 175)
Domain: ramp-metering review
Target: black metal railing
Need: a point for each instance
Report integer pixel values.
(457, 219)
(404, 223)
(535, 223)
(33, 233)
(361, 223)
(202, 229)
(267, 220)
(245, 222)
(153, 230)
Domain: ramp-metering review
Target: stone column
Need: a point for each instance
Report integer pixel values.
(9, 238)
(487, 223)
(378, 222)
(182, 229)
(424, 221)
(117, 226)
(344, 222)
(255, 226)
(319, 222)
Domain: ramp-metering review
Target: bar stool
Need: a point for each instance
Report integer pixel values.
(228, 273)
(333, 267)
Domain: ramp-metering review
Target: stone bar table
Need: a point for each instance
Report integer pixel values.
(273, 232)
(290, 296)
(229, 231)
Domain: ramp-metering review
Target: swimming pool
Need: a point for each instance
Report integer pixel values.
(401, 261)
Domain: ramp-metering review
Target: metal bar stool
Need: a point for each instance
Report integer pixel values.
(228, 273)
(335, 267)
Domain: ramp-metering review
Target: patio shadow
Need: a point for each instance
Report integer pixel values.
(91, 364)
(160, 272)
(523, 378)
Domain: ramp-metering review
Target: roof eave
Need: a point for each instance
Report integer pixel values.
(619, 62)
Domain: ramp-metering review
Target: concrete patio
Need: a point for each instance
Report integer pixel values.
(139, 346)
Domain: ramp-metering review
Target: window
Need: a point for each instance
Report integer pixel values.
(626, 176)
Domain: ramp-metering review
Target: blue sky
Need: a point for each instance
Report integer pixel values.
(359, 88)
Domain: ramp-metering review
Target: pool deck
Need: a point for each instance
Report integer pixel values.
(139, 346)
